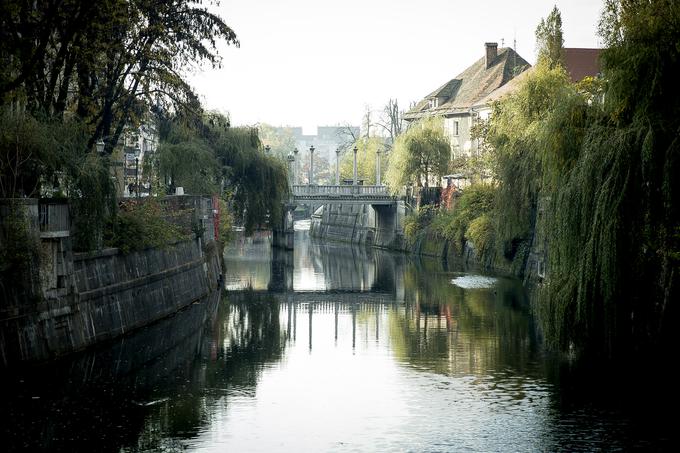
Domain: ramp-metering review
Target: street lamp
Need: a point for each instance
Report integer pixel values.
(337, 166)
(100, 146)
(354, 182)
(137, 175)
(377, 166)
(295, 178)
(291, 170)
(266, 149)
(311, 165)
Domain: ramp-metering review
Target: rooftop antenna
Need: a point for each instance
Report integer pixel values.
(514, 55)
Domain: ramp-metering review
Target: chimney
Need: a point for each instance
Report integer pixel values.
(491, 53)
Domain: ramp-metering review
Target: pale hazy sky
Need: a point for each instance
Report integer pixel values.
(318, 62)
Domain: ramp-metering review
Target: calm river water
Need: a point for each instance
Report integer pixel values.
(331, 348)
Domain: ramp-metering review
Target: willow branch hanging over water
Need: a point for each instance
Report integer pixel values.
(600, 157)
(616, 256)
(207, 155)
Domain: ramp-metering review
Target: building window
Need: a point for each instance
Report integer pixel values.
(455, 128)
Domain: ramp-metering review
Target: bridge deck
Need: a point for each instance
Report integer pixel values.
(344, 193)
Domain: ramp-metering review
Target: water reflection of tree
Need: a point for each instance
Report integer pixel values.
(246, 338)
(252, 338)
(452, 330)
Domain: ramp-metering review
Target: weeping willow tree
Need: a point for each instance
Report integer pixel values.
(186, 159)
(421, 153)
(527, 159)
(615, 245)
(257, 184)
(594, 163)
(206, 155)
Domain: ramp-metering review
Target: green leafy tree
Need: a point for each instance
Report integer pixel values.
(108, 62)
(185, 159)
(523, 150)
(549, 40)
(49, 157)
(210, 156)
(420, 154)
(600, 171)
(616, 218)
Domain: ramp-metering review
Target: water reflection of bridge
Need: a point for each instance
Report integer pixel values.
(332, 269)
(310, 303)
(325, 299)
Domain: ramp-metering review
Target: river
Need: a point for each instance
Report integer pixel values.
(332, 348)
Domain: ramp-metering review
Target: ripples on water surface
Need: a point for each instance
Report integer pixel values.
(327, 349)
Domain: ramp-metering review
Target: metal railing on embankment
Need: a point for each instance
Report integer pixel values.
(54, 217)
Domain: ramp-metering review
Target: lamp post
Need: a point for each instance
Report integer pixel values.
(377, 166)
(267, 148)
(297, 164)
(126, 186)
(137, 175)
(337, 167)
(291, 170)
(354, 181)
(100, 146)
(311, 165)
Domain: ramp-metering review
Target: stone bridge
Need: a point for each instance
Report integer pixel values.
(342, 193)
(353, 212)
(367, 215)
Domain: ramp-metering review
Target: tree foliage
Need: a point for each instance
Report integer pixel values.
(549, 40)
(50, 158)
(470, 219)
(616, 213)
(207, 155)
(526, 137)
(600, 171)
(420, 154)
(73, 73)
(141, 225)
(106, 62)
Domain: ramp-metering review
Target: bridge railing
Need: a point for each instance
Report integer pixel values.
(346, 190)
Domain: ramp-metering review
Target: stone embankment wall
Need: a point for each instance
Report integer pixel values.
(108, 295)
(79, 299)
(363, 224)
(529, 264)
(381, 226)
